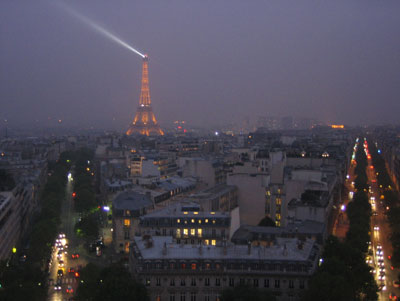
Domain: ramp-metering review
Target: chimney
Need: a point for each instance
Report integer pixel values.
(164, 249)
(224, 246)
(285, 252)
(249, 247)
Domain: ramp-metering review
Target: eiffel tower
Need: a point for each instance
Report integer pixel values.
(145, 123)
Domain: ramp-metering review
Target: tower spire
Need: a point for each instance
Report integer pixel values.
(145, 122)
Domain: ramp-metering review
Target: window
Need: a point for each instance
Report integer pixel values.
(192, 220)
(217, 282)
(158, 281)
(193, 266)
(193, 232)
(172, 297)
(183, 282)
(183, 266)
(185, 232)
(178, 220)
(208, 266)
(301, 285)
(178, 233)
(266, 282)
(277, 283)
(255, 282)
(192, 296)
(206, 298)
(213, 242)
(199, 221)
(183, 296)
(193, 282)
(291, 284)
(231, 282)
(206, 281)
(214, 232)
(172, 282)
(199, 232)
(213, 221)
(206, 221)
(148, 282)
(206, 242)
(127, 222)
(278, 201)
(126, 234)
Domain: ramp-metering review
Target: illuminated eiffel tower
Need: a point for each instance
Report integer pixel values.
(145, 123)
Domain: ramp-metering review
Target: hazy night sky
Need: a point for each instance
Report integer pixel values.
(211, 62)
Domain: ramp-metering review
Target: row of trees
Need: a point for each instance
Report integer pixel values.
(85, 197)
(344, 274)
(110, 283)
(17, 281)
(391, 200)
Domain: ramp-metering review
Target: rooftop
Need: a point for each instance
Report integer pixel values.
(131, 200)
(286, 249)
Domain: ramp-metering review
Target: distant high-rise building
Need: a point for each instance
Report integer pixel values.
(287, 123)
(145, 122)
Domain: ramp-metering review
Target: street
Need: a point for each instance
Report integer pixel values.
(380, 234)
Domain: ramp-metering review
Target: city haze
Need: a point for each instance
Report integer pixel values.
(210, 62)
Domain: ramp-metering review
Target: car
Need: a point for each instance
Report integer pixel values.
(75, 255)
(57, 287)
(71, 270)
(98, 251)
(396, 283)
(392, 296)
(61, 235)
(61, 263)
(376, 228)
(379, 247)
(69, 289)
(60, 273)
(375, 213)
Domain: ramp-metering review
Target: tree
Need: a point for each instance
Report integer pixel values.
(266, 222)
(110, 283)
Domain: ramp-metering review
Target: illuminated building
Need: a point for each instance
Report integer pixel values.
(145, 122)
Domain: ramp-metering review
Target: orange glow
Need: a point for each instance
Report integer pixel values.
(337, 126)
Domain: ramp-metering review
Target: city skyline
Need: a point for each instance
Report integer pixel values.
(212, 64)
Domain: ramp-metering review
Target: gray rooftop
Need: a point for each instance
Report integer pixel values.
(286, 249)
(131, 200)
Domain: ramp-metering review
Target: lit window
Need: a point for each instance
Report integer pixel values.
(278, 201)
(206, 242)
(178, 233)
(127, 222)
(185, 232)
(278, 217)
(193, 266)
(213, 221)
(199, 232)
(213, 242)
(212, 212)
(178, 221)
(195, 212)
(185, 212)
(193, 232)
(199, 221)
(206, 221)
(192, 221)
